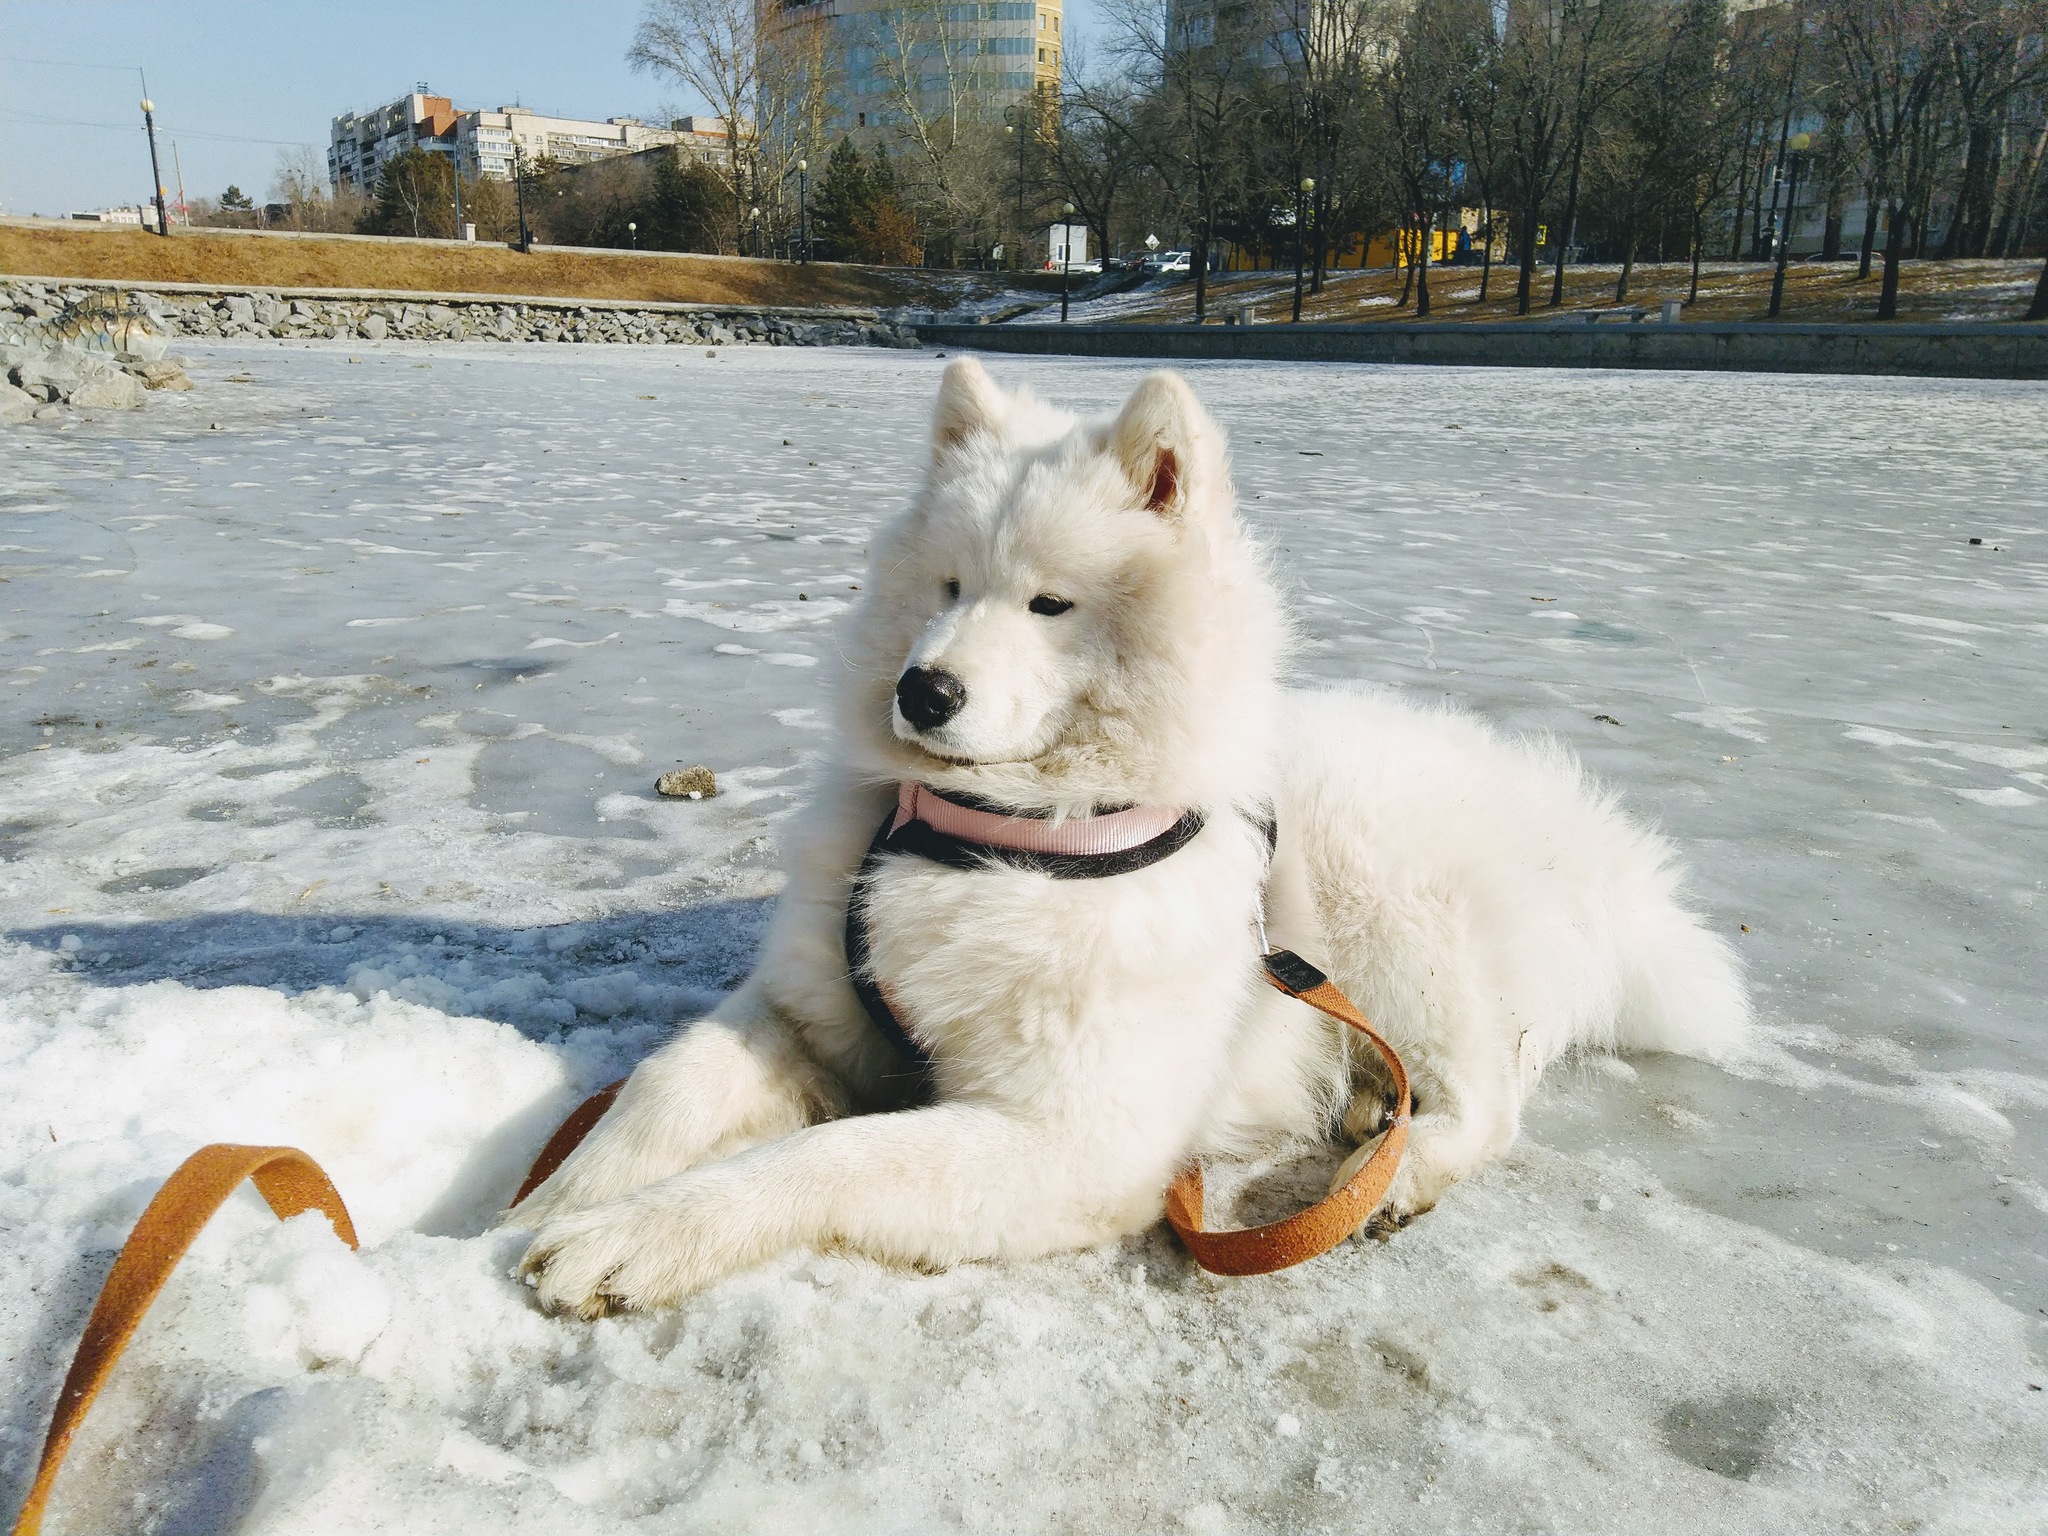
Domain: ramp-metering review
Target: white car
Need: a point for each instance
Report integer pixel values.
(1170, 261)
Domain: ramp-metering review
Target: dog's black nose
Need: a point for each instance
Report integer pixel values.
(929, 698)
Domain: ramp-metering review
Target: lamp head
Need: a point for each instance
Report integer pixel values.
(1800, 143)
(148, 105)
(1308, 185)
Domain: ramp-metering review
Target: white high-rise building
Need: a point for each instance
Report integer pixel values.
(887, 59)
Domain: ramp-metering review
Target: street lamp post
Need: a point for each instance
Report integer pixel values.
(754, 214)
(1066, 256)
(156, 175)
(1301, 195)
(1798, 145)
(803, 212)
(633, 233)
(1016, 131)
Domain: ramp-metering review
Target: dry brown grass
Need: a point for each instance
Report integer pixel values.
(240, 260)
(1928, 291)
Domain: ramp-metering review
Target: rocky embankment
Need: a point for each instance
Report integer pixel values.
(233, 315)
(98, 352)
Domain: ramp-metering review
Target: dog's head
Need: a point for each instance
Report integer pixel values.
(1070, 613)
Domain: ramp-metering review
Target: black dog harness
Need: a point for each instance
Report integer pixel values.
(961, 832)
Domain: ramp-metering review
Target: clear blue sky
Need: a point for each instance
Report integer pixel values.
(236, 80)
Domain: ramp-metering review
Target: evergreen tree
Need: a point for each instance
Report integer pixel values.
(842, 202)
(687, 207)
(415, 196)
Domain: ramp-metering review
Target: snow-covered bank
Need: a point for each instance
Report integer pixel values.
(327, 818)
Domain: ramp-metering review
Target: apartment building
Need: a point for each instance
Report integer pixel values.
(483, 141)
(988, 55)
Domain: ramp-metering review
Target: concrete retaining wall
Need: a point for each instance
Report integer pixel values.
(1987, 351)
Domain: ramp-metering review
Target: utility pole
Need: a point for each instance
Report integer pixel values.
(156, 174)
(519, 189)
(803, 212)
(184, 209)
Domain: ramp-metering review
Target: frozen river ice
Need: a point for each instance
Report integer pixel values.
(331, 699)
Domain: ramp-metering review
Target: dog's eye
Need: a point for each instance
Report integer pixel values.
(1052, 607)
(952, 590)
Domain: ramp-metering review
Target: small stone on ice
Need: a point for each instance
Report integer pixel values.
(695, 782)
(1605, 1202)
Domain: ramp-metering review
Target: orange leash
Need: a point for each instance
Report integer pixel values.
(288, 1179)
(292, 1182)
(1322, 1226)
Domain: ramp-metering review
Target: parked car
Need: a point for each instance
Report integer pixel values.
(1168, 262)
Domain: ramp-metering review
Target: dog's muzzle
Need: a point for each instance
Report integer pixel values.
(929, 698)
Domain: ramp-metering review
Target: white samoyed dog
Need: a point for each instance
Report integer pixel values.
(1065, 678)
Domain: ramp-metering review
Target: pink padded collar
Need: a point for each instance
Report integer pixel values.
(1115, 832)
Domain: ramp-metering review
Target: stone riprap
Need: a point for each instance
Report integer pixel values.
(97, 352)
(223, 314)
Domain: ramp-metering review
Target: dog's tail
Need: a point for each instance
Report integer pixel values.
(1682, 986)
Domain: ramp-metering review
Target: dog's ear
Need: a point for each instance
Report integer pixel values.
(969, 402)
(1160, 439)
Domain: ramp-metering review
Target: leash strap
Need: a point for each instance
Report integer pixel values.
(287, 1179)
(1322, 1226)
(291, 1182)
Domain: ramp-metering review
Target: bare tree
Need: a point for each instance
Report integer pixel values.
(943, 106)
(1663, 123)
(1995, 56)
(766, 82)
(1093, 156)
(1545, 62)
(1416, 92)
(1476, 96)
(1892, 67)
(1193, 64)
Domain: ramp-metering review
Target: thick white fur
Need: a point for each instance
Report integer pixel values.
(1483, 903)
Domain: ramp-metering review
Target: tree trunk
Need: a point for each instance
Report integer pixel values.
(1422, 265)
(1525, 278)
(1407, 267)
(1318, 211)
(1699, 240)
(1962, 223)
(2038, 310)
(1741, 200)
(1831, 231)
(2011, 232)
(1201, 265)
(1894, 248)
(1756, 218)
(1486, 256)
(1628, 258)
(1869, 235)
(1571, 217)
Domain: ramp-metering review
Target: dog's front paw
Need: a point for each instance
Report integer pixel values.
(651, 1249)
